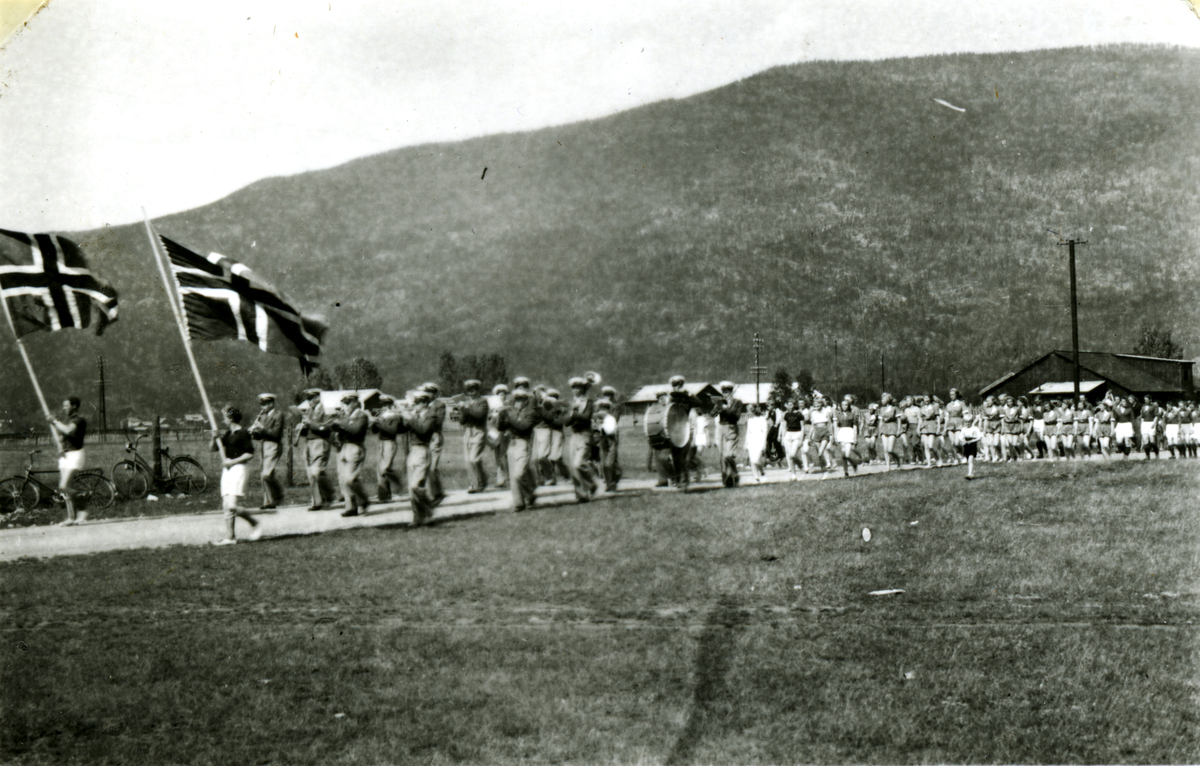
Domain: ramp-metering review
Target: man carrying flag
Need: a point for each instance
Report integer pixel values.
(45, 284)
(216, 298)
(73, 427)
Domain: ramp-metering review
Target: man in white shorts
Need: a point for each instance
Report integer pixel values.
(72, 427)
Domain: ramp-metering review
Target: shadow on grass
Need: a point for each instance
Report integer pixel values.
(717, 643)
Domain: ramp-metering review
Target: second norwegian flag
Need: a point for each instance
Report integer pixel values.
(223, 299)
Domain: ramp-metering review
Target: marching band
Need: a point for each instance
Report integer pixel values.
(537, 438)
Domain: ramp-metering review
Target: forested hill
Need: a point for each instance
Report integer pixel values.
(813, 204)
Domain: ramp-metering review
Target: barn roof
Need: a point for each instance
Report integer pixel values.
(1121, 369)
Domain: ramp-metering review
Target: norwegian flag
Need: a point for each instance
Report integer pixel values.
(223, 299)
(48, 286)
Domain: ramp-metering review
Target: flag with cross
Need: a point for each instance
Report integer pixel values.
(46, 282)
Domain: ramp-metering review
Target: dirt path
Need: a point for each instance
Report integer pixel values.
(204, 528)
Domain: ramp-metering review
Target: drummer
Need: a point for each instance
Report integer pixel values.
(681, 456)
(660, 445)
(605, 425)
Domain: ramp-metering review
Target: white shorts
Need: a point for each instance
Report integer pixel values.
(1123, 431)
(1172, 432)
(233, 480)
(792, 441)
(1039, 427)
(1147, 430)
(845, 435)
(70, 461)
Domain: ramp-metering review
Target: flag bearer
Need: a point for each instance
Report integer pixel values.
(73, 428)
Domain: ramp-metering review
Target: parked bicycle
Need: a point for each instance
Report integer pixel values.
(92, 490)
(135, 477)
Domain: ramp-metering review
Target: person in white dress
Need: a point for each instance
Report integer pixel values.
(756, 441)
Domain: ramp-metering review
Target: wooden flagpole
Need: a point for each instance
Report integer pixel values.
(176, 302)
(29, 366)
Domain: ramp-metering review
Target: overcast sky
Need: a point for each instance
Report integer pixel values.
(110, 105)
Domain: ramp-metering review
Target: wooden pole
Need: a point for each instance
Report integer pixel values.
(1071, 243)
(32, 377)
(176, 304)
(156, 447)
(1074, 321)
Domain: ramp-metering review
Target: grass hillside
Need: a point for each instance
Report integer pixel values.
(812, 203)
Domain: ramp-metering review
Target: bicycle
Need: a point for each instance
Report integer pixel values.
(134, 478)
(92, 490)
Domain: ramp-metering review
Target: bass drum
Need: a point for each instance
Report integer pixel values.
(668, 426)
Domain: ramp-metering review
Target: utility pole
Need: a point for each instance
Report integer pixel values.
(1071, 243)
(103, 410)
(758, 344)
(837, 377)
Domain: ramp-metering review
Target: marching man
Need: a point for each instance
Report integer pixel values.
(474, 416)
(350, 428)
(437, 410)
(609, 437)
(314, 427)
(579, 426)
(500, 448)
(268, 430)
(420, 422)
(518, 418)
(387, 427)
(729, 411)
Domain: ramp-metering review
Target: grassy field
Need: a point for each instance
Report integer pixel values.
(1048, 617)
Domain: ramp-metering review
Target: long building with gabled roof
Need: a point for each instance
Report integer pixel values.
(1100, 373)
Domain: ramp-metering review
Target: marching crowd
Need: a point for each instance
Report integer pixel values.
(535, 436)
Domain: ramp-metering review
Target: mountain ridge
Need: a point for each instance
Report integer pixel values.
(813, 203)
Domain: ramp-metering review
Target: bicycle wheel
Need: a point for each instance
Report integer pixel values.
(92, 492)
(131, 480)
(188, 475)
(16, 494)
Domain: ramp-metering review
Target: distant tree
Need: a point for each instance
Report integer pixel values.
(804, 381)
(488, 369)
(492, 370)
(1156, 341)
(781, 388)
(448, 373)
(358, 373)
(320, 378)
(468, 369)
